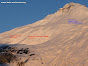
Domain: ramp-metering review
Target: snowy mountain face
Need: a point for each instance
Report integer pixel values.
(60, 39)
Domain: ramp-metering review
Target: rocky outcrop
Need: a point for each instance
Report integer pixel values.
(9, 54)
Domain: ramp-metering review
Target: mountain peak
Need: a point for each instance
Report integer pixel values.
(69, 5)
(70, 8)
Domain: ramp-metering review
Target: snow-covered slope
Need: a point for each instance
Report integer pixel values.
(66, 44)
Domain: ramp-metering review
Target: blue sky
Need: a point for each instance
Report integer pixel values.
(16, 15)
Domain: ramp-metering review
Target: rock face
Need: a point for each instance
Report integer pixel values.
(65, 44)
(16, 56)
